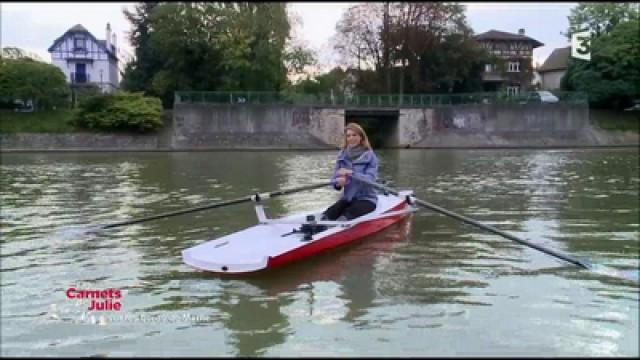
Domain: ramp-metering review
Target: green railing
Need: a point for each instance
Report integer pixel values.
(384, 100)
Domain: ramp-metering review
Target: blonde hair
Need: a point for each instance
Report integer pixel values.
(364, 140)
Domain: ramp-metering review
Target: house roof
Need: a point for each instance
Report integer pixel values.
(501, 35)
(557, 60)
(79, 29)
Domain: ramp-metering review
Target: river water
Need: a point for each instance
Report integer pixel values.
(428, 286)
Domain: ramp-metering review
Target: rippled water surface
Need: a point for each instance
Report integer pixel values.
(429, 286)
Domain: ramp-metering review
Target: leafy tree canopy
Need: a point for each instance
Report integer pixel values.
(612, 77)
(23, 78)
(601, 18)
(413, 47)
(211, 46)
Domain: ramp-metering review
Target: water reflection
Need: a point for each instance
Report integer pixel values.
(335, 286)
(255, 322)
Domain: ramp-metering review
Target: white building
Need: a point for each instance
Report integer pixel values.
(554, 68)
(86, 60)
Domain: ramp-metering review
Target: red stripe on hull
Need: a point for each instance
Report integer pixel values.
(356, 232)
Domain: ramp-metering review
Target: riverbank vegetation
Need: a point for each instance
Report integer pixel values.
(611, 78)
(27, 80)
(121, 111)
(44, 121)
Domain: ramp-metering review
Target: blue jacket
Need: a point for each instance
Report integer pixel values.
(366, 166)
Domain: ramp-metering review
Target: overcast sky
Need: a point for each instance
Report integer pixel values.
(34, 26)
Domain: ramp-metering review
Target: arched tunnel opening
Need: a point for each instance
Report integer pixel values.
(381, 126)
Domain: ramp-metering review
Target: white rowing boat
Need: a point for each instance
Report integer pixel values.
(275, 242)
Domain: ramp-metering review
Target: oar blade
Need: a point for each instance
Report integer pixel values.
(632, 275)
(71, 232)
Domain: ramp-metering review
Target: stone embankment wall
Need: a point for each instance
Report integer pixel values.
(244, 126)
(504, 125)
(255, 126)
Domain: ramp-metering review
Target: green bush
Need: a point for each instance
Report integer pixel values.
(82, 94)
(27, 79)
(122, 111)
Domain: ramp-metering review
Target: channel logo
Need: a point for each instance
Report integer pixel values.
(581, 45)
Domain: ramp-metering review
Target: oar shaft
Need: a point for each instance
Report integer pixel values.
(501, 233)
(478, 224)
(177, 212)
(216, 205)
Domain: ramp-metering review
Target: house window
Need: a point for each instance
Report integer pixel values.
(514, 66)
(488, 67)
(79, 43)
(513, 90)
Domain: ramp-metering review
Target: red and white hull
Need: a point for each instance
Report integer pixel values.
(263, 246)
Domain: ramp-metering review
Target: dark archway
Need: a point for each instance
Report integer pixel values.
(380, 125)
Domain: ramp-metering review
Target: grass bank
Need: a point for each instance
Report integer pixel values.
(54, 121)
(616, 120)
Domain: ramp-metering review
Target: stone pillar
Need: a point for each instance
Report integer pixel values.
(412, 128)
(327, 125)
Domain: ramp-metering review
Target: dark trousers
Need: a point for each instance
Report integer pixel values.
(349, 209)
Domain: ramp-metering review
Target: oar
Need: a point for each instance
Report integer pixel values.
(581, 263)
(248, 198)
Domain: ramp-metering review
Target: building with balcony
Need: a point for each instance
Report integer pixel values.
(86, 60)
(554, 68)
(511, 67)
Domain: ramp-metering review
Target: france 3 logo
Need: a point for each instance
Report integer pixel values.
(581, 45)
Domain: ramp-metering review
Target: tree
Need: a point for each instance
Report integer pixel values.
(413, 43)
(27, 79)
(601, 18)
(211, 46)
(11, 52)
(421, 29)
(297, 57)
(362, 38)
(612, 77)
(456, 66)
(138, 73)
(336, 81)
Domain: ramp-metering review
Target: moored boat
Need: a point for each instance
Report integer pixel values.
(276, 242)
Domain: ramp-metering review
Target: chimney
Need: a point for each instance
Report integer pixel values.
(520, 31)
(108, 36)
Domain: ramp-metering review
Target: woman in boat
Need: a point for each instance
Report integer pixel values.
(356, 156)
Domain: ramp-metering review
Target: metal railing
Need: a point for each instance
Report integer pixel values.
(80, 78)
(383, 100)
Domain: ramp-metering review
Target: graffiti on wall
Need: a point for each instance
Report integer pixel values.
(300, 119)
(448, 121)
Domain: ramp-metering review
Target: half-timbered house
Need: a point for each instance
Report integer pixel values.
(86, 60)
(511, 68)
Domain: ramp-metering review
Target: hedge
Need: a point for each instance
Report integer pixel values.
(121, 111)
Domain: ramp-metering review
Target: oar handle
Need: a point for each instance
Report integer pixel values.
(217, 205)
(580, 263)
